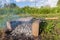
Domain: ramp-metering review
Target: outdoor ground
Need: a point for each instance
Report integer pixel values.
(50, 32)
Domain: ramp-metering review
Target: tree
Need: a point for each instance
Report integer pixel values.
(58, 3)
(11, 5)
(0, 3)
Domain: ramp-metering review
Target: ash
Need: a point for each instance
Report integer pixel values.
(24, 29)
(23, 32)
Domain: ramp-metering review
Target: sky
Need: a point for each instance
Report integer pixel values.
(31, 3)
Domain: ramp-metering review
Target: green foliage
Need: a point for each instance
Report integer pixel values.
(52, 31)
(11, 5)
(28, 10)
(47, 27)
(58, 3)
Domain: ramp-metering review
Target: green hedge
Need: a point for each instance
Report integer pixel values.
(29, 10)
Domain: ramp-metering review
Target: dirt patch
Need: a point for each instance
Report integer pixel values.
(4, 36)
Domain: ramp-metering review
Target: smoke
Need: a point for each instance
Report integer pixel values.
(2, 2)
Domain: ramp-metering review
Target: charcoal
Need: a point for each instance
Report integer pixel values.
(22, 31)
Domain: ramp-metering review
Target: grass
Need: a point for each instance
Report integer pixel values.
(51, 31)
